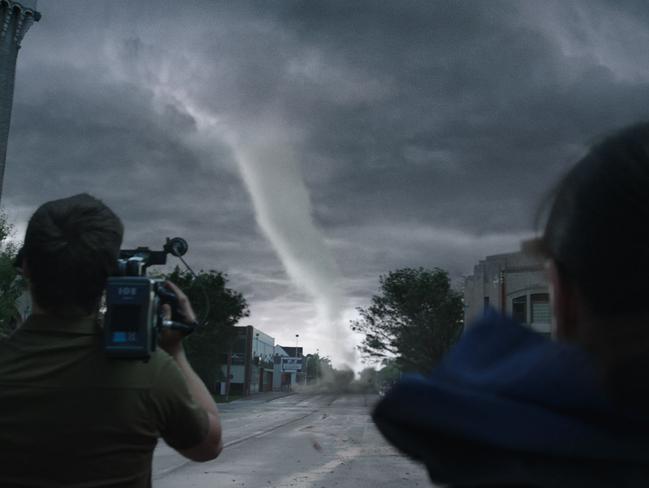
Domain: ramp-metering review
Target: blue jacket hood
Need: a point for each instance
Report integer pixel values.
(507, 392)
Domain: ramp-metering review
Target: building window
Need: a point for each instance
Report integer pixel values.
(519, 309)
(485, 304)
(541, 308)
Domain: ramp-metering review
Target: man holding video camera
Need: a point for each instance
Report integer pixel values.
(69, 415)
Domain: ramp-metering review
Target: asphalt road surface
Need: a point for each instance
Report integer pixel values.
(297, 441)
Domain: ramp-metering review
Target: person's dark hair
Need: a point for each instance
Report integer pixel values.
(596, 233)
(71, 247)
(597, 226)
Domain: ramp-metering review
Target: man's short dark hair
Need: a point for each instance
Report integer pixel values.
(71, 248)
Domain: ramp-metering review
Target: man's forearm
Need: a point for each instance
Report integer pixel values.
(171, 342)
(196, 386)
(212, 445)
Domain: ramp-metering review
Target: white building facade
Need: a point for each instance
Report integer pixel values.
(514, 284)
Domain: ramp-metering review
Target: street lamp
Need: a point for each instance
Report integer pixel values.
(259, 365)
(297, 337)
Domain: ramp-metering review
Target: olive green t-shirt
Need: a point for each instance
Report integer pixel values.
(69, 416)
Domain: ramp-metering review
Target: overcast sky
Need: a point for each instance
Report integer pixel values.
(305, 148)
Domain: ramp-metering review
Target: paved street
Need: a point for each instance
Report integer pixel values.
(297, 441)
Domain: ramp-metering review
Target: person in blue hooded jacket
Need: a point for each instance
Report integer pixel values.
(508, 407)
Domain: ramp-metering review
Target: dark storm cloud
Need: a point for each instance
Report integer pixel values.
(427, 132)
(420, 109)
(113, 142)
(479, 110)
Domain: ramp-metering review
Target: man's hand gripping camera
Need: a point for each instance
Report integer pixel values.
(139, 308)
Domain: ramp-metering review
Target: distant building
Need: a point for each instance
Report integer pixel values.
(251, 362)
(514, 284)
(290, 366)
(294, 352)
(16, 16)
(256, 364)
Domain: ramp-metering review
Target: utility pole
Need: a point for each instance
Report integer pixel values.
(16, 17)
(229, 375)
(297, 371)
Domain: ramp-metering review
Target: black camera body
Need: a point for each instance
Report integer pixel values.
(134, 302)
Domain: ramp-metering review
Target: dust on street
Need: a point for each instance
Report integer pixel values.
(296, 441)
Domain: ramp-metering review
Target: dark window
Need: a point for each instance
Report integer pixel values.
(540, 308)
(485, 304)
(519, 309)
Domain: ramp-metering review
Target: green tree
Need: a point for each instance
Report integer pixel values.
(317, 367)
(388, 374)
(415, 318)
(9, 289)
(207, 345)
(312, 367)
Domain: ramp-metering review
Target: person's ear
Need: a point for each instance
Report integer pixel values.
(563, 299)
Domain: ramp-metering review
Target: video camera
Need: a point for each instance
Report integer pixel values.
(134, 302)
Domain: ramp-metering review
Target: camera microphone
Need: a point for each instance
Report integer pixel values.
(176, 247)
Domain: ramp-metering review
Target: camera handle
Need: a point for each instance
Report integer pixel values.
(180, 326)
(168, 297)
